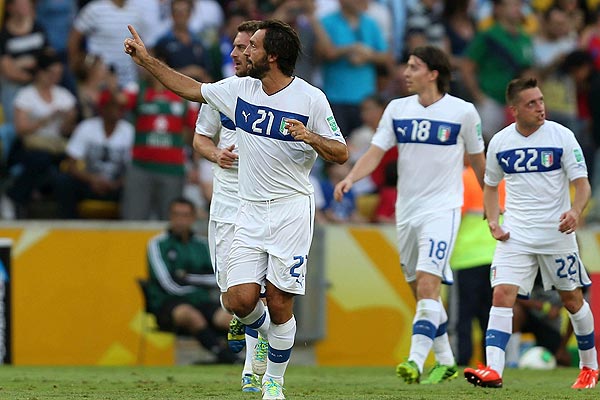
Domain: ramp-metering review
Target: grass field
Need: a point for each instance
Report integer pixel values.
(222, 382)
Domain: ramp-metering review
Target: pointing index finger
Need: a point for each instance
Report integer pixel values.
(134, 33)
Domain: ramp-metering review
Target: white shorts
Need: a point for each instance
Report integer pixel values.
(220, 236)
(559, 271)
(425, 244)
(271, 241)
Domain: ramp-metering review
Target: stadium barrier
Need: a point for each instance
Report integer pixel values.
(73, 298)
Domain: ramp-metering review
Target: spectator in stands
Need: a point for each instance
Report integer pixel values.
(555, 39)
(103, 24)
(493, 58)
(45, 115)
(164, 123)
(179, 261)
(22, 40)
(342, 211)
(352, 47)
(180, 48)
(426, 16)
(94, 78)
(97, 155)
(56, 17)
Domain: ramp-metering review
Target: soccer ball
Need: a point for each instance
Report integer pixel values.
(537, 357)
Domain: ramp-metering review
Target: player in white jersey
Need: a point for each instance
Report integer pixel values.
(210, 126)
(538, 159)
(432, 130)
(282, 124)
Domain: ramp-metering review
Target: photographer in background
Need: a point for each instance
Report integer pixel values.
(181, 274)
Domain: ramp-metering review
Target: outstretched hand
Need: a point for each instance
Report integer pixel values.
(342, 188)
(135, 47)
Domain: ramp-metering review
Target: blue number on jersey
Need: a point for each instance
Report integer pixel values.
(226, 122)
(536, 159)
(426, 131)
(264, 121)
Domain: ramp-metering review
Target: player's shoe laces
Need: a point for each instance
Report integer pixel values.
(236, 336)
(259, 361)
(440, 373)
(272, 390)
(409, 371)
(483, 376)
(587, 379)
(250, 383)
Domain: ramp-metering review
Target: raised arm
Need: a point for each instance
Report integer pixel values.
(180, 84)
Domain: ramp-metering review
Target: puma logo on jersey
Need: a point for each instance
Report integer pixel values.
(401, 130)
(505, 161)
(246, 115)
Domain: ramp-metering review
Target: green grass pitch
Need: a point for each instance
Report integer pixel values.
(222, 383)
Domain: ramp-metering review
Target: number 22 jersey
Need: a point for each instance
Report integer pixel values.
(431, 146)
(537, 170)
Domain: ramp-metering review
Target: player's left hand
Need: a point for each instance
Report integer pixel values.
(568, 221)
(298, 130)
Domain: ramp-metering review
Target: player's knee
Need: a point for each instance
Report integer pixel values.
(241, 301)
(505, 296)
(573, 300)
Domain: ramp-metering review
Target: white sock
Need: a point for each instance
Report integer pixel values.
(497, 336)
(441, 343)
(425, 325)
(281, 341)
(251, 341)
(583, 326)
(258, 319)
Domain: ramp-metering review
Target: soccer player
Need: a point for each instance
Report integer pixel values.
(538, 159)
(282, 124)
(432, 130)
(225, 199)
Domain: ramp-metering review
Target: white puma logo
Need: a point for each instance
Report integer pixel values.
(401, 130)
(504, 160)
(246, 115)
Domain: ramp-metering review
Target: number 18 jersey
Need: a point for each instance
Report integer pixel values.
(537, 170)
(431, 146)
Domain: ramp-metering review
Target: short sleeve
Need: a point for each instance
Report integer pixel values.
(493, 171)
(322, 120)
(76, 145)
(208, 122)
(573, 160)
(471, 131)
(222, 95)
(384, 136)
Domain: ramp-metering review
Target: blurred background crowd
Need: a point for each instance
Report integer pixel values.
(85, 133)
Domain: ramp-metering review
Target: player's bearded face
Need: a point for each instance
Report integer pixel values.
(259, 68)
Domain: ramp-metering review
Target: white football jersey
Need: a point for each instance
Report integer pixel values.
(431, 146)
(225, 197)
(272, 163)
(537, 170)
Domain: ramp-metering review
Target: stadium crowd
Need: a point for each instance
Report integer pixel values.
(62, 66)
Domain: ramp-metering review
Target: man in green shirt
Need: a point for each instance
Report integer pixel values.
(494, 57)
(181, 274)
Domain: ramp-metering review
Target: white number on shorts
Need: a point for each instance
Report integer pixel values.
(438, 250)
(571, 270)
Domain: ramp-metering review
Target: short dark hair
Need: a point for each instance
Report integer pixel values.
(282, 41)
(249, 26)
(436, 60)
(516, 86)
(182, 200)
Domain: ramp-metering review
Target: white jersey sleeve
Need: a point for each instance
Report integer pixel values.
(493, 171)
(573, 160)
(208, 122)
(223, 95)
(471, 130)
(385, 137)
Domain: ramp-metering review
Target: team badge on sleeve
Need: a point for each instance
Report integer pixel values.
(333, 125)
(578, 155)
